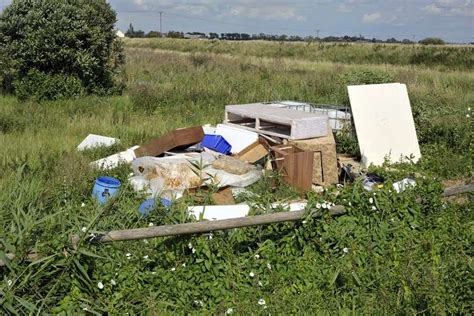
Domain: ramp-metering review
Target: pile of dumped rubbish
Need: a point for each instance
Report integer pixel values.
(295, 139)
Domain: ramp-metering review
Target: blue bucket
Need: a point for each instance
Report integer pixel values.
(149, 205)
(105, 188)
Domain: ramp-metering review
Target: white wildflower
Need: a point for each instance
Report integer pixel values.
(467, 115)
(85, 309)
(173, 269)
(183, 265)
(345, 250)
(193, 250)
(84, 229)
(145, 241)
(229, 311)
(371, 200)
(469, 108)
(210, 236)
(113, 282)
(374, 208)
(318, 205)
(350, 204)
(150, 224)
(154, 272)
(145, 257)
(100, 285)
(83, 204)
(261, 301)
(257, 256)
(304, 222)
(269, 266)
(260, 283)
(324, 205)
(9, 283)
(190, 246)
(198, 302)
(251, 274)
(128, 255)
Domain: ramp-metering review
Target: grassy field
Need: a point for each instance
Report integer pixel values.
(389, 255)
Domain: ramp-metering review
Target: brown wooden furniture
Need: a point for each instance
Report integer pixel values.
(295, 165)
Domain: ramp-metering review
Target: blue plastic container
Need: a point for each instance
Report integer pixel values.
(149, 205)
(217, 143)
(105, 188)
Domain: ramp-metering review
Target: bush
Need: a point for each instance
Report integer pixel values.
(432, 41)
(55, 49)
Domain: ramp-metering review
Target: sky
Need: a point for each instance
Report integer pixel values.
(452, 20)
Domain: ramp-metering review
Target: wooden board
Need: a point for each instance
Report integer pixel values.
(295, 165)
(253, 153)
(176, 138)
(325, 171)
(384, 123)
(276, 121)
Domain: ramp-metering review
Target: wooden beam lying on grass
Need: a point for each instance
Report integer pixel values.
(204, 226)
(208, 226)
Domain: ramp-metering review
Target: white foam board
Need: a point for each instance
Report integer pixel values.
(93, 141)
(218, 212)
(114, 160)
(238, 138)
(384, 123)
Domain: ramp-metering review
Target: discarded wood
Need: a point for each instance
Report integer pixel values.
(466, 188)
(208, 226)
(204, 226)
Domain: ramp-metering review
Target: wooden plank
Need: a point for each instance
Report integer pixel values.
(295, 165)
(176, 138)
(252, 153)
(205, 226)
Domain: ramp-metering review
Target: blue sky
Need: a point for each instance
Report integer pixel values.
(452, 20)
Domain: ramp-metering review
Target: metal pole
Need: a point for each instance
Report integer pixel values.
(161, 32)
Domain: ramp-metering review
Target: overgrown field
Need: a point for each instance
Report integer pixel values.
(392, 253)
(440, 57)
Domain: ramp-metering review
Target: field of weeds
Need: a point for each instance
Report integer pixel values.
(392, 253)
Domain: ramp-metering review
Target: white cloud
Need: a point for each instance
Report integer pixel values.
(432, 9)
(344, 8)
(267, 12)
(374, 17)
(378, 18)
(450, 8)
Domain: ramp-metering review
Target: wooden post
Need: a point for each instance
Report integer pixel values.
(205, 226)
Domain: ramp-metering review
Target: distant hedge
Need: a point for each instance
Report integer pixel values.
(59, 48)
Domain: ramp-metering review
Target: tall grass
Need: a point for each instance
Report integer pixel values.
(405, 256)
(444, 57)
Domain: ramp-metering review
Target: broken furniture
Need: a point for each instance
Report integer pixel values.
(177, 138)
(295, 165)
(325, 170)
(274, 121)
(384, 123)
(339, 116)
(253, 153)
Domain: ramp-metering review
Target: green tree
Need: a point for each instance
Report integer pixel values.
(59, 48)
(432, 41)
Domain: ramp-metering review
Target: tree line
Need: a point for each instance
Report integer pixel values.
(131, 32)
